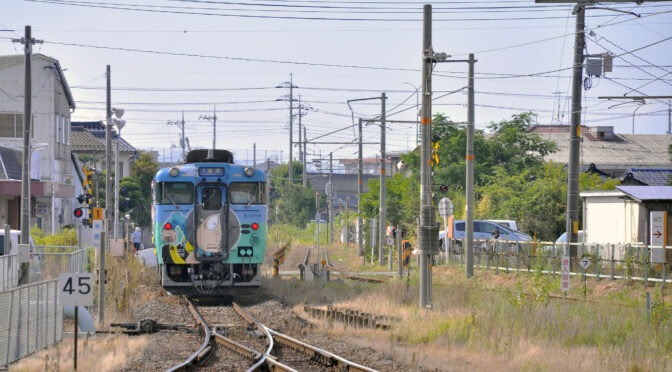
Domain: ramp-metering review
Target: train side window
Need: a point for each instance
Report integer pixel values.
(248, 193)
(175, 193)
(212, 198)
(459, 226)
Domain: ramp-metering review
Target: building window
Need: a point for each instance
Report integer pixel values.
(11, 125)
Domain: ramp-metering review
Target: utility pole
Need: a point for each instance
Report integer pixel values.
(572, 222)
(183, 142)
(254, 155)
(300, 145)
(427, 229)
(27, 42)
(304, 158)
(360, 242)
(291, 128)
(108, 148)
(213, 120)
(469, 236)
(383, 221)
(331, 197)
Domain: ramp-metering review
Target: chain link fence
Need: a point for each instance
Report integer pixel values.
(9, 271)
(31, 319)
(614, 261)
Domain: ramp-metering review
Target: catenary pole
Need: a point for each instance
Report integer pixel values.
(383, 220)
(469, 236)
(427, 230)
(360, 243)
(305, 159)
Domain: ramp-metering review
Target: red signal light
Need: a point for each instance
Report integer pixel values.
(168, 226)
(255, 226)
(78, 212)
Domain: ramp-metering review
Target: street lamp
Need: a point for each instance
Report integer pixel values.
(641, 104)
(120, 124)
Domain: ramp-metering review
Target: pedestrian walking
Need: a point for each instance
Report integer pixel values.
(137, 238)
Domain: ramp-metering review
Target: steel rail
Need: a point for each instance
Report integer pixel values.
(321, 356)
(203, 351)
(235, 346)
(266, 358)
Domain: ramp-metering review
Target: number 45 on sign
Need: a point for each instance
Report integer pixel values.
(76, 289)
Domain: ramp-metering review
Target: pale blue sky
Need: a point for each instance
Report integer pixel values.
(494, 31)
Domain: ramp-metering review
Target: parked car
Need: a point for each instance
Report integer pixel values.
(509, 224)
(563, 238)
(484, 230)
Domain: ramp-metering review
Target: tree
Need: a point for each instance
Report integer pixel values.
(144, 169)
(295, 202)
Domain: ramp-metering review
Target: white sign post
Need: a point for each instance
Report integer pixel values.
(445, 210)
(658, 230)
(76, 289)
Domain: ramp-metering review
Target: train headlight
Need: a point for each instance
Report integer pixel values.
(173, 172)
(255, 226)
(249, 171)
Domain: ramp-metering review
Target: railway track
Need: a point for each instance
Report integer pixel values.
(255, 346)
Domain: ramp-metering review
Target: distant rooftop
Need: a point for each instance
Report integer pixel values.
(601, 146)
(648, 177)
(90, 136)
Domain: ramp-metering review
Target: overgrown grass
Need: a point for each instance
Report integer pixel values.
(511, 316)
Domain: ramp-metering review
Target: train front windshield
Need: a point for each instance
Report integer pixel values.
(175, 193)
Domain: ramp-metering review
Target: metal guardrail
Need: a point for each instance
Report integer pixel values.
(614, 261)
(31, 319)
(9, 271)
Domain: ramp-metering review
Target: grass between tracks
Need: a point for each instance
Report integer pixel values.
(502, 322)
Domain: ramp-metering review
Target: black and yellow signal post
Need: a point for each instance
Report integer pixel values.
(86, 198)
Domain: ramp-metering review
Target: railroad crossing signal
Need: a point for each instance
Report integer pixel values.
(78, 212)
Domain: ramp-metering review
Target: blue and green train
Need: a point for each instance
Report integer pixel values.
(209, 225)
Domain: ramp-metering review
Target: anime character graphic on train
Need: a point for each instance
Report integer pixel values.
(209, 225)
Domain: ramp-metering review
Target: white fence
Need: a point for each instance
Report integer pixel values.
(31, 318)
(9, 272)
(52, 264)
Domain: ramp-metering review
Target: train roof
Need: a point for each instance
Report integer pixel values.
(189, 173)
(209, 156)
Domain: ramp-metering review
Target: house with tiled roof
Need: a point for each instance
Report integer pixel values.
(88, 142)
(52, 185)
(611, 153)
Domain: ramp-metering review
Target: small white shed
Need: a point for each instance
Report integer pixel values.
(623, 215)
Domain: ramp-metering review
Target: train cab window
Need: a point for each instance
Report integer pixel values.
(211, 198)
(175, 193)
(248, 193)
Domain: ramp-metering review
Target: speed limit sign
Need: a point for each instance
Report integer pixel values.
(76, 289)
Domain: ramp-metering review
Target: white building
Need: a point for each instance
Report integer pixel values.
(52, 102)
(623, 215)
